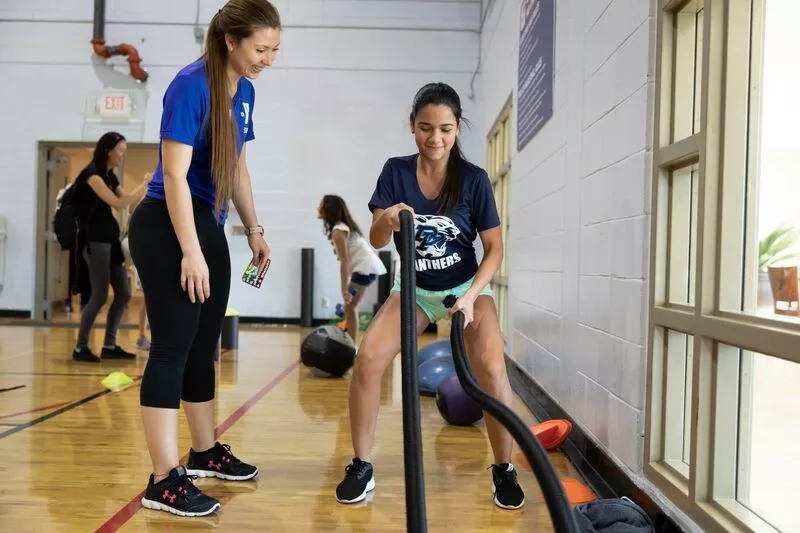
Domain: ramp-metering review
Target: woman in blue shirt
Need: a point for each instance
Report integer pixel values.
(178, 245)
(453, 203)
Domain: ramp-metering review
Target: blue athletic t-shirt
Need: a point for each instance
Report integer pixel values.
(185, 119)
(445, 254)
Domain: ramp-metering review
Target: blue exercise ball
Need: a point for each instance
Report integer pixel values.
(433, 371)
(434, 349)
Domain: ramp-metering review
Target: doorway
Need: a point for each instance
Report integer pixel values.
(59, 165)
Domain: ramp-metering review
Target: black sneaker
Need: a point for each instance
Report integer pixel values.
(84, 354)
(177, 494)
(358, 481)
(219, 462)
(507, 492)
(116, 353)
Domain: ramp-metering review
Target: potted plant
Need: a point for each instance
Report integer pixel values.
(778, 246)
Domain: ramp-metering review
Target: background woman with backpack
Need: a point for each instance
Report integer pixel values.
(97, 190)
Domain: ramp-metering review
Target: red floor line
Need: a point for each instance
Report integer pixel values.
(130, 509)
(45, 408)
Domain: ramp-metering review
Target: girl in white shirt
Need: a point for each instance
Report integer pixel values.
(359, 263)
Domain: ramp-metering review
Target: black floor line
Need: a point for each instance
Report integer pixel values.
(60, 410)
(15, 387)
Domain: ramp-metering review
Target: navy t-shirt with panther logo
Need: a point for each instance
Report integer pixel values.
(445, 252)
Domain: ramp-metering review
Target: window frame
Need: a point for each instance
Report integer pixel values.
(707, 490)
(499, 153)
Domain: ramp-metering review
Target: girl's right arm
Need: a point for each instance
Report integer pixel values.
(384, 222)
(176, 158)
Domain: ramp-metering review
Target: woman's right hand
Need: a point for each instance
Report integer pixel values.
(194, 276)
(393, 215)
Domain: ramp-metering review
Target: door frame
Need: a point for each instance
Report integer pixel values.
(44, 214)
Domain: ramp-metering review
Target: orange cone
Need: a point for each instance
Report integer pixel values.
(577, 492)
(552, 433)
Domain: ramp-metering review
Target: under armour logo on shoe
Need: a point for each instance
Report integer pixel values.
(218, 466)
(168, 496)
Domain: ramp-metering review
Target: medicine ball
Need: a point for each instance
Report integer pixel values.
(433, 371)
(328, 351)
(455, 406)
(434, 349)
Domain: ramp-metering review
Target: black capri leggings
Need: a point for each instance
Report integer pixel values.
(184, 334)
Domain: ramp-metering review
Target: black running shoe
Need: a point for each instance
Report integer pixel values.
(507, 492)
(84, 354)
(219, 462)
(358, 481)
(177, 494)
(116, 353)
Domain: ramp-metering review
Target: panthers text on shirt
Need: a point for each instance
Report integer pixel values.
(437, 264)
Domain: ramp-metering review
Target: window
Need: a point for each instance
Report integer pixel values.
(724, 357)
(498, 166)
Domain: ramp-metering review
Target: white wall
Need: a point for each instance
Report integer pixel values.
(580, 214)
(330, 111)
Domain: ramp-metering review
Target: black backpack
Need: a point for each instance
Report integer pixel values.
(65, 221)
(69, 220)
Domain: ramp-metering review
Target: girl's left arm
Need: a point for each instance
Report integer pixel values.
(243, 201)
(243, 194)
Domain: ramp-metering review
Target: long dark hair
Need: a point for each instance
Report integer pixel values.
(442, 94)
(105, 144)
(239, 19)
(334, 210)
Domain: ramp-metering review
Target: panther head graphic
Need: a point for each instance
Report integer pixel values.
(433, 233)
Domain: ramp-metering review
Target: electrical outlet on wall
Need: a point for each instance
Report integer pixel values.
(325, 302)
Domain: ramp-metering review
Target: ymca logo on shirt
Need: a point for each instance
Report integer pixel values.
(246, 115)
(433, 232)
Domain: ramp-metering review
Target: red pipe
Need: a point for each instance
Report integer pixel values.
(124, 49)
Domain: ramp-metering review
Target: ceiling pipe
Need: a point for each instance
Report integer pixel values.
(124, 49)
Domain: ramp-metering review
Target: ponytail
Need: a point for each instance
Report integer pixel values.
(222, 135)
(451, 190)
(237, 19)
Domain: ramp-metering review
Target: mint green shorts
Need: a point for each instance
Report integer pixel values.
(432, 302)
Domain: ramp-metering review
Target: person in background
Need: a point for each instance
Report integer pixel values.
(359, 264)
(97, 191)
(142, 342)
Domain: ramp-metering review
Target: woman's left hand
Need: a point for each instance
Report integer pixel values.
(465, 304)
(260, 250)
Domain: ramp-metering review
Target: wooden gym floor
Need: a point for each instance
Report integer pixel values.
(74, 456)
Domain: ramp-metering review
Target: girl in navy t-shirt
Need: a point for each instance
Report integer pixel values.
(453, 203)
(178, 245)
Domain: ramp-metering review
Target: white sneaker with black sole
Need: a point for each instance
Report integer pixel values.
(359, 479)
(177, 494)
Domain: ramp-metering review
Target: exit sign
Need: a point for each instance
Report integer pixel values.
(114, 105)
